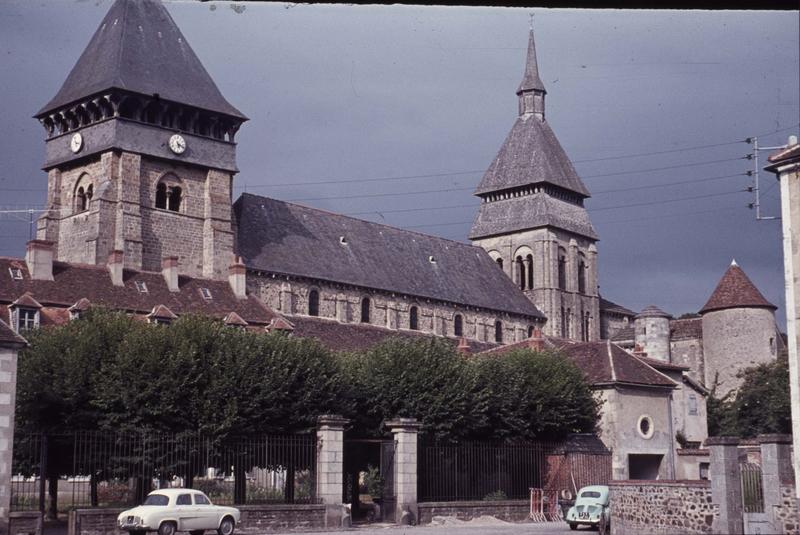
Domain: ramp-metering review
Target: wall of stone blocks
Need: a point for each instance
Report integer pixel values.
(652, 335)
(689, 352)
(8, 382)
(386, 310)
(25, 523)
(735, 339)
(787, 513)
(661, 507)
(610, 324)
(508, 510)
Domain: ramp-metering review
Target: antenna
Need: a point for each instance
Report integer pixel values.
(531, 21)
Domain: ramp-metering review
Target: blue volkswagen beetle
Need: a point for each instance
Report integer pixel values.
(590, 509)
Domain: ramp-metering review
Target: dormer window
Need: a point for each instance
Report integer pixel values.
(16, 273)
(206, 293)
(26, 319)
(141, 286)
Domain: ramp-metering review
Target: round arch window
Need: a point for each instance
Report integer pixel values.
(645, 426)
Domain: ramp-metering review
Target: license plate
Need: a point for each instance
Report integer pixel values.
(583, 515)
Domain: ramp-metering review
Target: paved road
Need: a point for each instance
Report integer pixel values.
(493, 527)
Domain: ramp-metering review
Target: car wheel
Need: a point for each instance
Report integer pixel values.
(226, 527)
(167, 528)
(573, 527)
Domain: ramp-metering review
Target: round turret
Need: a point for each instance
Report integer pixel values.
(651, 328)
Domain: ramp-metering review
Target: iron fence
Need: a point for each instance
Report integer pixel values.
(480, 470)
(752, 488)
(91, 469)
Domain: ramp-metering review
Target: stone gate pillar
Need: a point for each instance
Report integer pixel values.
(776, 472)
(405, 431)
(10, 344)
(726, 485)
(330, 467)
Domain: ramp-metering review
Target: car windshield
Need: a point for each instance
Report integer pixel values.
(157, 499)
(590, 494)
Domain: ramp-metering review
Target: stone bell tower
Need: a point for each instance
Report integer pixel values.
(140, 151)
(532, 221)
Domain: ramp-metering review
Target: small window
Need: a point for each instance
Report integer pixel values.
(530, 331)
(704, 470)
(582, 277)
(161, 196)
(645, 426)
(692, 405)
(169, 196)
(413, 319)
(365, 310)
(458, 325)
(200, 499)
(141, 286)
(206, 293)
(174, 199)
(27, 319)
(772, 345)
(562, 269)
(499, 262)
(313, 303)
(498, 331)
(184, 499)
(16, 273)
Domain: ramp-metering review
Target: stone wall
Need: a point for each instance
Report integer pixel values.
(787, 515)
(508, 510)
(255, 519)
(25, 523)
(8, 387)
(392, 311)
(689, 352)
(661, 507)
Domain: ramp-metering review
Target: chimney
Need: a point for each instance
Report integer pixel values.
(236, 278)
(639, 351)
(537, 340)
(463, 346)
(169, 268)
(115, 267)
(39, 257)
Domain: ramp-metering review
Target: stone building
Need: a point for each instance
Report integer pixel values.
(734, 330)
(532, 220)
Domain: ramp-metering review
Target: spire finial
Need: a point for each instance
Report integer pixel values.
(531, 21)
(733, 262)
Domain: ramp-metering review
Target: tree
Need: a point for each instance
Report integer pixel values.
(761, 404)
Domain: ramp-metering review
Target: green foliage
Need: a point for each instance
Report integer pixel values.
(496, 496)
(680, 438)
(760, 406)
(107, 371)
(374, 482)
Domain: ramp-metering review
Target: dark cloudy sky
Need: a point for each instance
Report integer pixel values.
(372, 94)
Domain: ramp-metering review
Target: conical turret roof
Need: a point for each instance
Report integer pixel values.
(531, 79)
(736, 290)
(139, 48)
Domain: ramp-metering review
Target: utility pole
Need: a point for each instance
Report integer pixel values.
(755, 188)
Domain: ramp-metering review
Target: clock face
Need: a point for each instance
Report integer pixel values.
(177, 144)
(76, 143)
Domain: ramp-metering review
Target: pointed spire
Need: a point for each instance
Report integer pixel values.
(531, 80)
(736, 290)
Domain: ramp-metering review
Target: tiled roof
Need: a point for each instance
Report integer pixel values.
(234, 319)
(652, 311)
(356, 336)
(139, 48)
(613, 308)
(735, 290)
(9, 338)
(72, 282)
(26, 300)
(686, 329)
(531, 154)
(528, 212)
(279, 237)
(783, 156)
(661, 365)
(163, 313)
(602, 362)
(624, 334)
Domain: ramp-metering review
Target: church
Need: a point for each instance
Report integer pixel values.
(140, 155)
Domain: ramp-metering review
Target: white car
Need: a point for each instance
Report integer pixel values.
(170, 510)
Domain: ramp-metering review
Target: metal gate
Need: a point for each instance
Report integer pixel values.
(389, 505)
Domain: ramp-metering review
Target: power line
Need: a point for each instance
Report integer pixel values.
(660, 152)
(666, 184)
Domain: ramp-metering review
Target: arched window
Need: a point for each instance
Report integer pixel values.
(313, 303)
(521, 278)
(530, 331)
(80, 200)
(563, 323)
(169, 194)
(562, 269)
(499, 262)
(498, 331)
(365, 310)
(586, 326)
(84, 190)
(413, 319)
(529, 263)
(582, 275)
(567, 322)
(458, 325)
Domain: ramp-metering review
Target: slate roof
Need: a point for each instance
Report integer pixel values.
(735, 290)
(357, 336)
(528, 212)
(73, 282)
(531, 154)
(686, 329)
(8, 338)
(531, 78)
(139, 48)
(613, 308)
(279, 237)
(603, 362)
